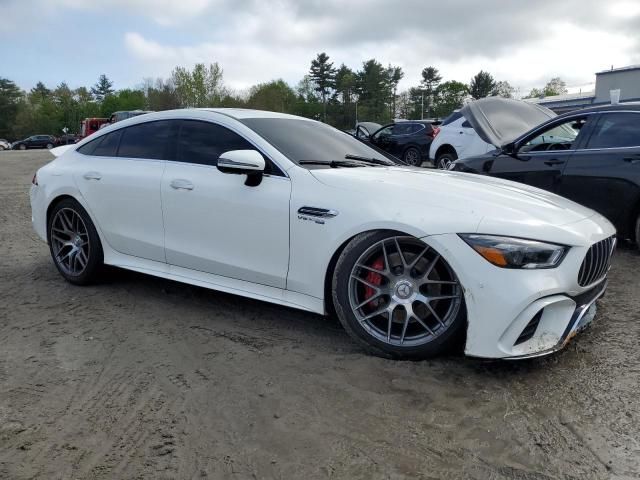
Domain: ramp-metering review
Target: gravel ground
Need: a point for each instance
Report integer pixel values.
(140, 377)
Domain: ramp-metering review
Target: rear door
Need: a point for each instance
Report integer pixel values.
(542, 157)
(605, 173)
(120, 181)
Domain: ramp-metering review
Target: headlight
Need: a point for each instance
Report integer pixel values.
(510, 252)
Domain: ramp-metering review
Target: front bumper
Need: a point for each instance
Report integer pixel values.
(502, 303)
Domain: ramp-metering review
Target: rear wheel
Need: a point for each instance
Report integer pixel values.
(74, 243)
(445, 159)
(49, 146)
(397, 297)
(412, 157)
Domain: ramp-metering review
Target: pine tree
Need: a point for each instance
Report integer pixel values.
(102, 88)
(482, 85)
(324, 76)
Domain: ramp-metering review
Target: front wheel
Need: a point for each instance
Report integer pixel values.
(412, 157)
(49, 146)
(397, 297)
(74, 243)
(22, 146)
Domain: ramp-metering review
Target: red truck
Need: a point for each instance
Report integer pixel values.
(91, 125)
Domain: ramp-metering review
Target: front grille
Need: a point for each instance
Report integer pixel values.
(530, 330)
(597, 262)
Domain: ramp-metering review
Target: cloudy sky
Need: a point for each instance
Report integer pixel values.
(523, 42)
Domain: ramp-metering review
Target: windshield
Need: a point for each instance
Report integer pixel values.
(303, 140)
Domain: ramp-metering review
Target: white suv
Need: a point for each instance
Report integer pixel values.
(457, 139)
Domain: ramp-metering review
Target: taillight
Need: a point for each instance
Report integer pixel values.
(434, 132)
(34, 180)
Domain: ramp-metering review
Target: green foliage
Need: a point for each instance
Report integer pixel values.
(10, 98)
(122, 100)
(482, 85)
(555, 86)
(338, 96)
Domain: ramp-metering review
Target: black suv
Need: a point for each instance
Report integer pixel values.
(408, 141)
(35, 141)
(590, 156)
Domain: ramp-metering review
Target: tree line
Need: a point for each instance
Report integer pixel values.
(336, 95)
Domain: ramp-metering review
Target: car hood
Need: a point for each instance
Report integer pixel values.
(499, 121)
(459, 195)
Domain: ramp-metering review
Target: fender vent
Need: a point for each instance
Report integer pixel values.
(530, 330)
(317, 212)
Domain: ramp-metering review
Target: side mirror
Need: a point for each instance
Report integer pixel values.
(243, 162)
(511, 149)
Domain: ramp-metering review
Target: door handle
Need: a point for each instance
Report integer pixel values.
(551, 163)
(634, 159)
(92, 176)
(180, 184)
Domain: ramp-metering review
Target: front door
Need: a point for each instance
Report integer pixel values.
(541, 158)
(215, 223)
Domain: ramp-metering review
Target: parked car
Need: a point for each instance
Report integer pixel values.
(457, 139)
(407, 140)
(590, 156)
(4, 144)
(311, 218)
(35, 141)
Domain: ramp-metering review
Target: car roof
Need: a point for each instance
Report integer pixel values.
(618, 107)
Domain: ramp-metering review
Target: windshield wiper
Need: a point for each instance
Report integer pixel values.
(372, 161)
(332, 163)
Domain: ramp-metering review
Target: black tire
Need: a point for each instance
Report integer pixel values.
(341, 302)
(412, 157)
(94, 253)
(444, 159)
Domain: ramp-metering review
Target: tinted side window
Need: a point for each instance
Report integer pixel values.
(108, 146)
(153, 140)
(403, 128)
(203, 142)
(616, 130)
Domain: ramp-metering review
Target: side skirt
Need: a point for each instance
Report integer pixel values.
(217, 282)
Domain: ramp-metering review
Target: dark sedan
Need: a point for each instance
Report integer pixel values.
(408, 141)
(35, 141)
(590, 156)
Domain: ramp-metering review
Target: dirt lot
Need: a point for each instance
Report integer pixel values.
(145, 378)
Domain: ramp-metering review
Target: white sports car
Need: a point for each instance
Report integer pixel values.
(291, 211)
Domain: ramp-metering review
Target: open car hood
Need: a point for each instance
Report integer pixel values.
(499, 121)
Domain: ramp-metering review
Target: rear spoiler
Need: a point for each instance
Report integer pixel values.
(61, 149)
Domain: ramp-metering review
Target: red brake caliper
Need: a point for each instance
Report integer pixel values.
(374, 279)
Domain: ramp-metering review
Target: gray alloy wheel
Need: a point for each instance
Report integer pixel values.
(74, 242)
(397, 296)
(22, 146)
(445, 159)
(412, 157)
(49, 146)
(70, 242)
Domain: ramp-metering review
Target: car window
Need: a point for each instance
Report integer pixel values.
(451, 118)
(151, 140)
(203, 142)
(615, 130)
(108, 145)
(299, 139)
(558, 137)
(403, 128)
(385, 132)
